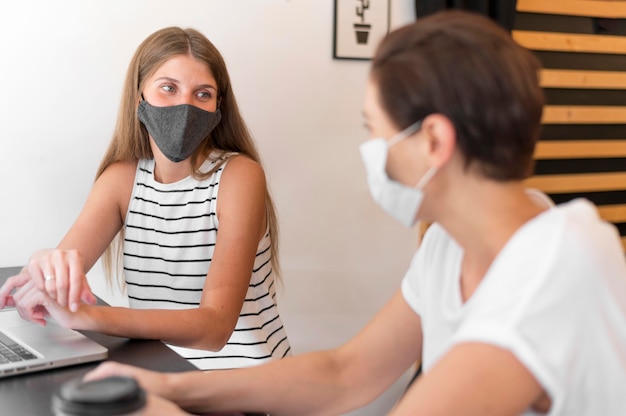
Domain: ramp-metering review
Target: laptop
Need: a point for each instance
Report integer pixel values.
(26, 347)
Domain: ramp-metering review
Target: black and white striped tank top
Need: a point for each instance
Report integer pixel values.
(170, 235)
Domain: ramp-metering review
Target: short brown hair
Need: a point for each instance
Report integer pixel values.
(466, 67)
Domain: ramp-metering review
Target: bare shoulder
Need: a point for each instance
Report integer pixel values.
(117, 181)
(243, 170)
(242, 190)
(124, 171)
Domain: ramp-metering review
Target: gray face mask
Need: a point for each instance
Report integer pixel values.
(177, 130)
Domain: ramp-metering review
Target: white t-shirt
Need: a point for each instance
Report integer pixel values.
(555, 296)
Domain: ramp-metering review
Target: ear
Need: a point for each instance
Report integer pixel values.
(441, 138)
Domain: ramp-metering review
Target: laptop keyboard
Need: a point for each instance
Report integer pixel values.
(10, 351)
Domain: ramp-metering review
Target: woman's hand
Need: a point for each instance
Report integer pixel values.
(151, 381)
(58, 273)
(35, 305)
(157, 406)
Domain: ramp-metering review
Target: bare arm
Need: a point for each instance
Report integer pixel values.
(474, 379)
(325, 382)
(99, 221)
(241, 213)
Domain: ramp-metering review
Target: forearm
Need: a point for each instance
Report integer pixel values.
(309, 384)
(200, 328)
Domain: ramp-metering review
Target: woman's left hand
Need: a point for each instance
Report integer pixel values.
(35, 305)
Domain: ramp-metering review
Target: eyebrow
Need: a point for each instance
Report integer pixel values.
(175, 81)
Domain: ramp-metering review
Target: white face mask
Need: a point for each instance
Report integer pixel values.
(400, 201)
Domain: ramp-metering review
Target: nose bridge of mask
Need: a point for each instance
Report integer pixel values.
(181, 118)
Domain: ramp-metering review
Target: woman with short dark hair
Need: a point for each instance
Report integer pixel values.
(511, 305)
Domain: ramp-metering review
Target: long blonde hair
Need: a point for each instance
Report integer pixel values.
(130, 141)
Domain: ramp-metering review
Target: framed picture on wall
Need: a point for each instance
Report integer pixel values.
(359, 27)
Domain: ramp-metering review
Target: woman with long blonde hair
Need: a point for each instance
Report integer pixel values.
(180, 209)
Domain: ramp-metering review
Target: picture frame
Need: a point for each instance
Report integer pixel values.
(358, 27)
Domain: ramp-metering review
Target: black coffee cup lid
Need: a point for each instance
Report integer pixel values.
(107, 396)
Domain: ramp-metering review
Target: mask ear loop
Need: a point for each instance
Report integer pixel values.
(404, 133)
(427, 177)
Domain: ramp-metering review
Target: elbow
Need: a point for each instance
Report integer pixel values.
(212, 339)
(210, 331)
(219, 341)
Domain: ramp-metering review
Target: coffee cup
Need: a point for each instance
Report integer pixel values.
(111, 396)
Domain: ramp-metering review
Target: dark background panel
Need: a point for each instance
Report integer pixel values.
(582, 61)
(538, 22)
(614, 27)
(583, 131)
(554, 23)
(598, 198)
(586, 97)
(621, 227)
(564, 166)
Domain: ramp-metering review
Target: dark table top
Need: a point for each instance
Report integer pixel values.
(30, 394)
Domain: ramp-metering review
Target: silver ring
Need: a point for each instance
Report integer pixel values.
(48, 277)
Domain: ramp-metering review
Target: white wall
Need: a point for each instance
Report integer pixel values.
(63, 64)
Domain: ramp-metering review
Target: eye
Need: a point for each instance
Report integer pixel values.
(205, 95)
(168, 88)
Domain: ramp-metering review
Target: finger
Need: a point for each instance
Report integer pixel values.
(78, 284)
(88, 297)
(38, 267)
(11, 284)
(20, 292)
(59, 314)
(62, 262)
(62, 284)
(42, 274)
(50, 284)
(9, 301)
(28, 301)
(156, 405)
(107, 369)
(56, 270)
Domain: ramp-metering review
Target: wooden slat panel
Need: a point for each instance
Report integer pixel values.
(568, 149)
(580, 182)
(595, 8)
(624, 243)
(567, 78)
(558, 114)
(569, 42)
(613, 213)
